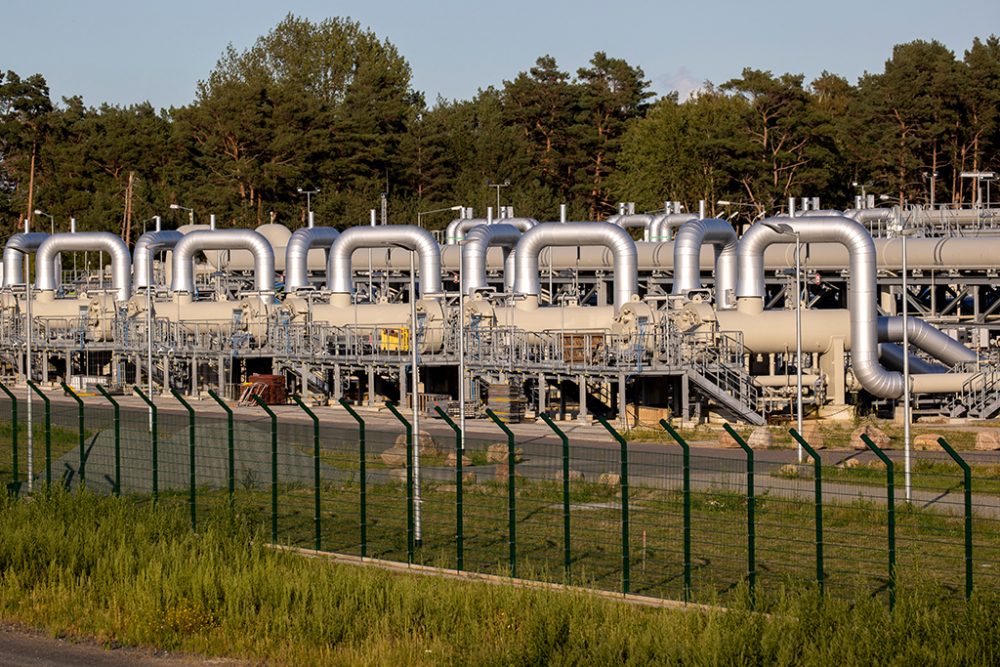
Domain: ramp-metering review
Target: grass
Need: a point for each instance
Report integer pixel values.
(930, 543)
(84, 566)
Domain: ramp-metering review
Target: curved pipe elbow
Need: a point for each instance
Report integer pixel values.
(527, 280)
(408, 237)
(223, 239)
(121, 261)
(474, 249)
(925, 337)
(687, 258)
(875, 379)
(142, 256)
(297, 254)
(13, 255)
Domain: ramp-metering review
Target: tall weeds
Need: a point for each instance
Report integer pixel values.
(78, 564)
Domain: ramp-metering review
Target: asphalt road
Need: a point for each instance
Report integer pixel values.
(25, 648)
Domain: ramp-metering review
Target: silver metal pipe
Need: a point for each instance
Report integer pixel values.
(457, 228)
(222, 239)
(520, 224)
(142, 256)
(527, 280)
(869, 215)
(475, 248)
(662, 226)
(862, 294)
(687, 258)
(121, 261)
(410, 237)
(297, 254)
(13, 255)
(926, 337)
(892, 357)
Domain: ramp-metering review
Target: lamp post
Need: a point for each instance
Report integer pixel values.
(906, 372)
(421, 214)
(786, 230)
(932, 177)
(414, 391)
(308, 194)
(52, 220)
(178, 207)
(491, 184)
(29, 364)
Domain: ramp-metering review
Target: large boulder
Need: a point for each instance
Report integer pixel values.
(874, 433)
(452, 459)
(394, 456)
(926, 442)
(497, 453)
(574, 476)
(812, 434)
(425, 441)
(761, 438)
(611, 479)
(988, 441)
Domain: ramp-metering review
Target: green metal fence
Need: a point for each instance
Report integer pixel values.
(668, 516)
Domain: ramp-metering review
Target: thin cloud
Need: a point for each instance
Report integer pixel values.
(683, 81)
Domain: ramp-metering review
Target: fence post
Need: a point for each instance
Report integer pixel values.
(229, 443)
(317, 520)
(511, 489)
(890, 493)
(751, 520)
(192, 488)
(48, 432)
(13, 434)
(686, 472)
(459, 453)
(967, 487)
(565, 492)
(118, 436)
(623, 459)
(363, 473)
(153, 438)
(83, 448)
(274, 466)
(410, 526)
(818, 479)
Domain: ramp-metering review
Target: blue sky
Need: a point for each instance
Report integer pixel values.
(128, 52)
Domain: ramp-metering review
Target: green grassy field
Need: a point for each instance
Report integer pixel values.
(81, 565)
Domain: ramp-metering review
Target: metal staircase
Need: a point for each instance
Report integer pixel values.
(979, 398)
(716, 370)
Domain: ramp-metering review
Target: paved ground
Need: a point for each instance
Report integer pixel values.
(25, 648)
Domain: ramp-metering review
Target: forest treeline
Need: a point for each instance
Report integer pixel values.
(330, 105)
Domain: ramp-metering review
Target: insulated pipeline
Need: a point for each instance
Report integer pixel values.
(121, 261)
(223, 239)
(13, 255)
(408, 237)
(527, 280)
(475, 248)
(142, 256)
(297, 254)
(862, 294)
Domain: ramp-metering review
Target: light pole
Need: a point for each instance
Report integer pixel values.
(178, 207)
(29, 365)
(932, 177)
(421, 214)
(491, 184)
(786, 230)
(309, 213)
(414, 392)
(906, 371)
(52, 220)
